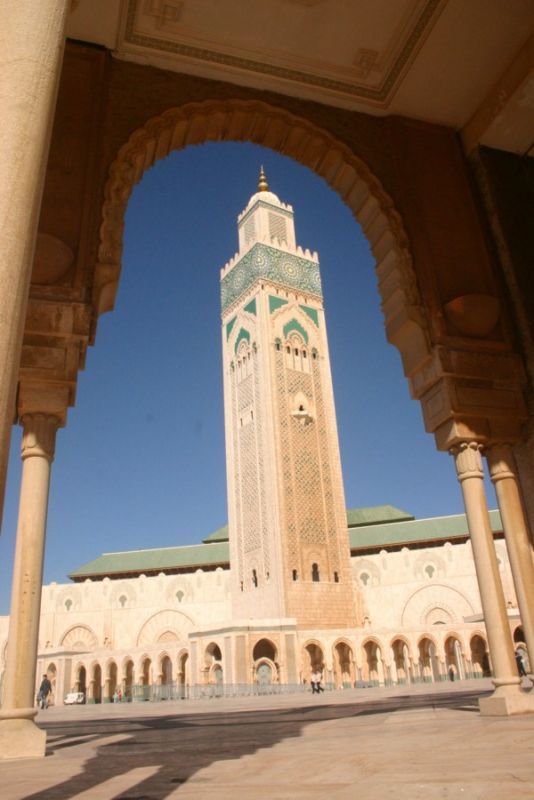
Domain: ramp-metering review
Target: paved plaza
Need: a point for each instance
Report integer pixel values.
(426, 742)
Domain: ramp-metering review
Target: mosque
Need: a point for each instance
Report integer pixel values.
(295, 583)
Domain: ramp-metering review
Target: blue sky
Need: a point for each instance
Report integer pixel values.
(141, 461)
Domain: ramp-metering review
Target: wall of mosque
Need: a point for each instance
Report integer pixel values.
(160, 636)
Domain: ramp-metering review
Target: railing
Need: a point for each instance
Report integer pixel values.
(174, 691)
(139, 693)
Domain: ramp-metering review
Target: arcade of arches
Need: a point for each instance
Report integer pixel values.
(443, 216)
(373, 662)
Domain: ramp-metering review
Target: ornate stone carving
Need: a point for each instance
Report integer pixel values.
(501, 462)
(39, 435)
(267, 262)
(468, 460)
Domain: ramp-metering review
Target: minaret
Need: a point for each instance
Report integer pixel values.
(289, 551)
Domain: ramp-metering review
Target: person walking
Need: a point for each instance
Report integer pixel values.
(316, 682)
(44, 690)
(520, 664)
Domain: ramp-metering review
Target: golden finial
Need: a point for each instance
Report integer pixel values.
(263, 186)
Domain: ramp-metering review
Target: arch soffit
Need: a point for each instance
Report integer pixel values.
(455, 636)
(272, 640)
(315, 643)
(398, 637)
(372, 640)
(290, 135)
(426, 637)
(162, 656)
(265, 660)
(258, 640)
(342, 640)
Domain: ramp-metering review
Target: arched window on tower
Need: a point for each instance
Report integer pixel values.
(296, 354)
(315, 573)
(295, 575)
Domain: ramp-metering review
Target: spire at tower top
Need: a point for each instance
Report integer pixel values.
(263, 186)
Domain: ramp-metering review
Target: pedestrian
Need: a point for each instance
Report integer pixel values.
(316, 678)
(520, 664)
(451, 673)
(44, 690)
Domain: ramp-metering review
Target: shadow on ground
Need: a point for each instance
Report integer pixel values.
(178, 746)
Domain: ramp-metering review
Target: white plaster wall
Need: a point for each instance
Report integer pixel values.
(117, 611)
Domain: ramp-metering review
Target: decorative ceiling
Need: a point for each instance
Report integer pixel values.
(468, 64)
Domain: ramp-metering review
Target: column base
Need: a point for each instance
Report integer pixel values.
(21, 738)
(506, 701)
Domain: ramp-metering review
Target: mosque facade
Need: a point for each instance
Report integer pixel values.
(295, 583)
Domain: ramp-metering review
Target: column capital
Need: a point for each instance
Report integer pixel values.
(40, 398)
(501, 462)
(39, 435)
(468, 460)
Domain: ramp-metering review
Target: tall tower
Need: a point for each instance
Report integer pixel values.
(289, 550)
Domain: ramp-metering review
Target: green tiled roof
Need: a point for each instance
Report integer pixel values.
(370, 515)
(163, 559)
(414, 531)
(373, 515)
(373, 528)
(220, 535)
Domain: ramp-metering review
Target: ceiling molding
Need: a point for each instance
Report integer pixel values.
(413, 36)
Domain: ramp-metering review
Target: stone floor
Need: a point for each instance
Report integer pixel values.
(429, 742)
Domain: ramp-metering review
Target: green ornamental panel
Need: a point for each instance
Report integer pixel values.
(251, 307)
(243, 334)
(263, 261)
(276, 302)
(294, 325)
(229, 326)
(312, 313)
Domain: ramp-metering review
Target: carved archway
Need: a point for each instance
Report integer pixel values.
(79, 637)
(293, 136)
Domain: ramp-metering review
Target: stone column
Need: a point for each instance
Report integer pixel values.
(508, 698)
(30, 65)
(19, 736)
(504, 476)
